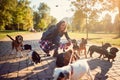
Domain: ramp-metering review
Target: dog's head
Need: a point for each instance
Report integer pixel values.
(35, 57)
(106, 45)
(74, 41)
(19, 38)
(113, 50)
(60, 74)
(27, 47)
(84, 41)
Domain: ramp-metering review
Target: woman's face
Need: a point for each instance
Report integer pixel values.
(62, 27)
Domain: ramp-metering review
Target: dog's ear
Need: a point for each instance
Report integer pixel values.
(61, 75)
(67, 74)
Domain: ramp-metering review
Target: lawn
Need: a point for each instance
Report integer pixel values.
(97, 38)
(11, 33)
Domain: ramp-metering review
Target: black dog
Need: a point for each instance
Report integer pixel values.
(33, 56)
(111, 54)
(99, 49)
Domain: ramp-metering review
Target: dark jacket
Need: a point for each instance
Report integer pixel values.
(52, 34)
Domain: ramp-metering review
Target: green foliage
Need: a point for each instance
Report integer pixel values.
(15, 14)
(42, 17)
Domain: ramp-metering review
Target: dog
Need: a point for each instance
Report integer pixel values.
(63, 59)
(65, 46)
(111, 54)
(33, 56)
(77, 48)
(74, 71)
(17, 44)
(83, 46)
(99, 49)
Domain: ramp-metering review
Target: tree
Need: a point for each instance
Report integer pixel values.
(42, 17)
(107, 23)
(6, 10)
(117, 24)
(15, 17)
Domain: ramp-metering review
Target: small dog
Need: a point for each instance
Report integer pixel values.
(63, 58)
(111, 54)
(83, 46)
(17, 44)
(33, 56)
(73, 71)
(77, 48)
(99, 49)
(65, 46)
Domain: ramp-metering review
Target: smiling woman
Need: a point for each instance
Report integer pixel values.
(58, 8)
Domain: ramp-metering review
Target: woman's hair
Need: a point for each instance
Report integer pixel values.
(59, 24)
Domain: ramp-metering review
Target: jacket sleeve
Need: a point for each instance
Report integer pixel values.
(66, 35)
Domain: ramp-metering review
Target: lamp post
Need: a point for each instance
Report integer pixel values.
(86, 21)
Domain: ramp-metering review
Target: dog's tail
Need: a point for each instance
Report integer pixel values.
(10, 37)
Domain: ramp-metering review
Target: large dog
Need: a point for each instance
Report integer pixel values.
(17, 44)
(63, 59)
(73, 71)
(33, 56)
(99, 49)
(111, 54)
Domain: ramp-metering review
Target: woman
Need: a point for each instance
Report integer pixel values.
(51, 37)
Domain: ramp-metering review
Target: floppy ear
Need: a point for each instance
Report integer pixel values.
(67, 74)
(61, 75)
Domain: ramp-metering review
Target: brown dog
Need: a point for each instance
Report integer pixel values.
(83, 46)
(17, 44)
(63, 59)
(79, 47)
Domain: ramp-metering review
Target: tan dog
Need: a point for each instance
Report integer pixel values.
(83, 46)
(17, 44)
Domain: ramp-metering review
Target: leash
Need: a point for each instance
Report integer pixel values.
(71, 69)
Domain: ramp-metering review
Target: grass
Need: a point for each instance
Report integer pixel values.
(11, 33)
(97, 38)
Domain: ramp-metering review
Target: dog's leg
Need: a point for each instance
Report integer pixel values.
(113, 60)
(85, 53)
(19, 54)
(91, 52)
(100, 55)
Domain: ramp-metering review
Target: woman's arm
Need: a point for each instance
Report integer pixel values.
(67, 36)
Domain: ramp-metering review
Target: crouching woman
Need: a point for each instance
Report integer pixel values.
(50, 39)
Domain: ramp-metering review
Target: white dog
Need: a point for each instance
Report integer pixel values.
(74, 71)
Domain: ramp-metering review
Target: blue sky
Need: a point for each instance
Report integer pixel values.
(63, 9)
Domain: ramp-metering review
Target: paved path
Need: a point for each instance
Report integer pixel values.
(12, 68)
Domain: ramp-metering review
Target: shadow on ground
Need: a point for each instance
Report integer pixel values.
(104, 68)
